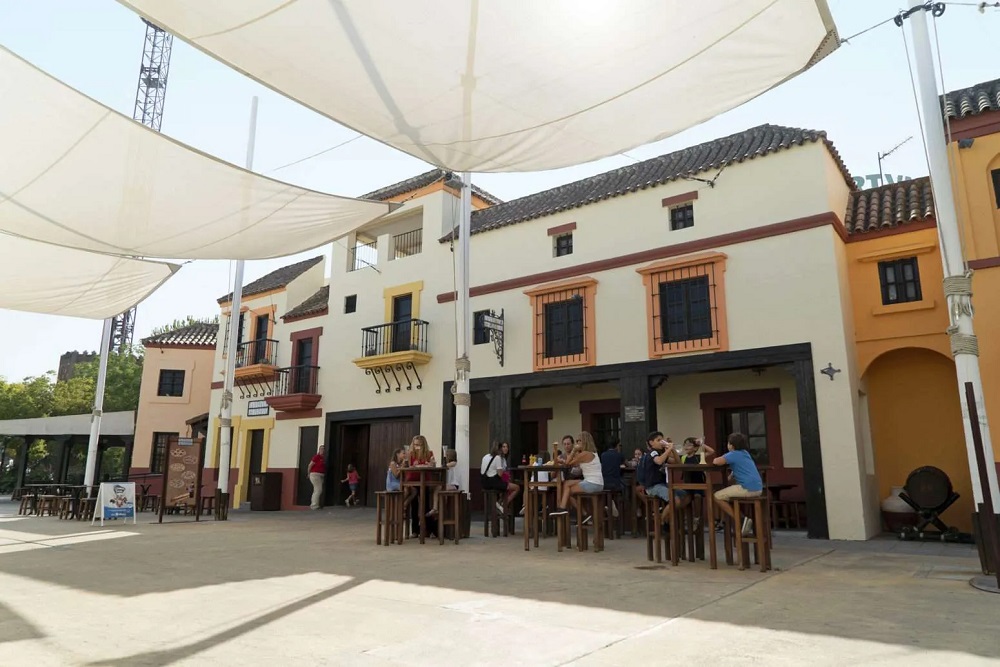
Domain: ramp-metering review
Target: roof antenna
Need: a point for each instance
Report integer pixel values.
(881, 156)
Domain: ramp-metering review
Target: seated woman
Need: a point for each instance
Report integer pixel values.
(491, 472)
(584, 454)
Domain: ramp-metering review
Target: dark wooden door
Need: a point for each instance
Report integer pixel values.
(256, 441)
(308, 442)
(385, 436)
(353, 445)
(752, 423)
(402, 312)
(302, 373)
(260, 339)
(529, 438)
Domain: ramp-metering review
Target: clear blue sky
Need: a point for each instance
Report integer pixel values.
(861, 96)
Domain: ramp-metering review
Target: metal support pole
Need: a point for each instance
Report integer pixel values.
(957, 281)
(463, 332)
(226, 416)
(95, 416)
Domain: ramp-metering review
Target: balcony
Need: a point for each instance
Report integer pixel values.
(362, 255)
(295, 389)
(256, 360)
(399, 342)
(405, 245)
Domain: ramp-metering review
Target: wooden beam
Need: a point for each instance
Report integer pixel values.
(812, 455)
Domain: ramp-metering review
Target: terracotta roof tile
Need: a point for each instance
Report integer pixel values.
(713, 155)
(889, 206)
(973, 100)
(276, 279)
(317, 303)
(198, 334)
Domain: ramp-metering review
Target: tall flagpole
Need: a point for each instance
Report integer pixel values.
(226, 418)
(957, 281)
(463, 329)
(96, 413)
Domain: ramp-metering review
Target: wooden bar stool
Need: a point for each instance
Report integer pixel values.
(595, 501)
(541, 503)
(47, 503)
(760, 536)
(450, 513)
(651, 507)
(388, 514)
(493, 516)
(614, 526)
(26, 501)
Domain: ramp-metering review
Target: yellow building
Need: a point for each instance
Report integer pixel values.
(908, 380)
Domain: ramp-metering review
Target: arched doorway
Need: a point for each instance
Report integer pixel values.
(916, 420)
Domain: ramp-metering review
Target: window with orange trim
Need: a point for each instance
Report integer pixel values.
(563, 324)
(686, 305)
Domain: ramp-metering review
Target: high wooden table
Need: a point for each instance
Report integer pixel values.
(427, 477)
(676, 482)
(530, 487)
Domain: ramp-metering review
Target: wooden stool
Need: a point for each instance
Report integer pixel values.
(596, 503)
(65, 507)
(208, 504)
(652, 506)
(26, 501)
(48, 504)
(493, 518)
(541, 518)
(760, 537)
(389, 513)
(614, 527)
(449, 513)
(86, 508)
(150, 502)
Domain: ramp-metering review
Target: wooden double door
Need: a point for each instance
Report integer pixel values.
(368, 446)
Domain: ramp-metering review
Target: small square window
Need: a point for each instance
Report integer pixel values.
(562, 245)
(171, 383)
(682, 217)
(350, 303)
(480, 334)
(900, 281)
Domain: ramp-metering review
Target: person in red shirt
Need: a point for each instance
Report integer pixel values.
(317, 473)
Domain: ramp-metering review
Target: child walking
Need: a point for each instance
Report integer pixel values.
(352, 480)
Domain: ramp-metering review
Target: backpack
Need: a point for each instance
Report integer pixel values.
(647, 473)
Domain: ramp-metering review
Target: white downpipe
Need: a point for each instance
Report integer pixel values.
(463, 333)
(95, 415)
(958, 284)
(226, 416)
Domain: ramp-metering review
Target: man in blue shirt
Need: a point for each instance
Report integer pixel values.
(746, 478)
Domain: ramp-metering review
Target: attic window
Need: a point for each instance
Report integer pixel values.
(562, 245)
(682, 216)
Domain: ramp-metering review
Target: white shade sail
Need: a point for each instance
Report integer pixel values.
(43, 278)
(80, 175)
(495, 85)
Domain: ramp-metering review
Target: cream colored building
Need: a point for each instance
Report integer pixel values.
(175, 392)
(700, 292)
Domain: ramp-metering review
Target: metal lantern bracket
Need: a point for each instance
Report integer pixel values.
(493, 323)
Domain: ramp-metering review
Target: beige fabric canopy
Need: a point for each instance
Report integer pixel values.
(43, 278)
(493, 85)
(80, 175)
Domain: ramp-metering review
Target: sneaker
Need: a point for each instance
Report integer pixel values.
(520, 512)
(747, 527)
(558, 512)
(432, 513)
(614, 509)
(589, 519)
(499, 506)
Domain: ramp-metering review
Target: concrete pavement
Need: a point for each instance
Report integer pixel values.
(309, 588)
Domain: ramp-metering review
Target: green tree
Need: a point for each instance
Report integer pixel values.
(32, 397)
(76, 395)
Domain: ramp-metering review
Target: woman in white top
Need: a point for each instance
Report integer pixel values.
(584, 455)
(492, 470)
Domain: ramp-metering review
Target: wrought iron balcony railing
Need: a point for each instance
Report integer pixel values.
(253, 352)
(296, 380)
(402, 336)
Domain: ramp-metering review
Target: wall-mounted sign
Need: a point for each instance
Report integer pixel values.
(493, 324)
(634, 413)
(258, 408)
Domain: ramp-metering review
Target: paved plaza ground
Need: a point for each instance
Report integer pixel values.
(312, 588)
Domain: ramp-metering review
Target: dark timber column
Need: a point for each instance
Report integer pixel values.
(505, 421)
(22, 461)
(638, 402)
(812, 456)
(447, 420)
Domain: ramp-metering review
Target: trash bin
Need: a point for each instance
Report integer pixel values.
(265, 491)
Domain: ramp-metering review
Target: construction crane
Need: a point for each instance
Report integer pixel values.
(149, 97)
